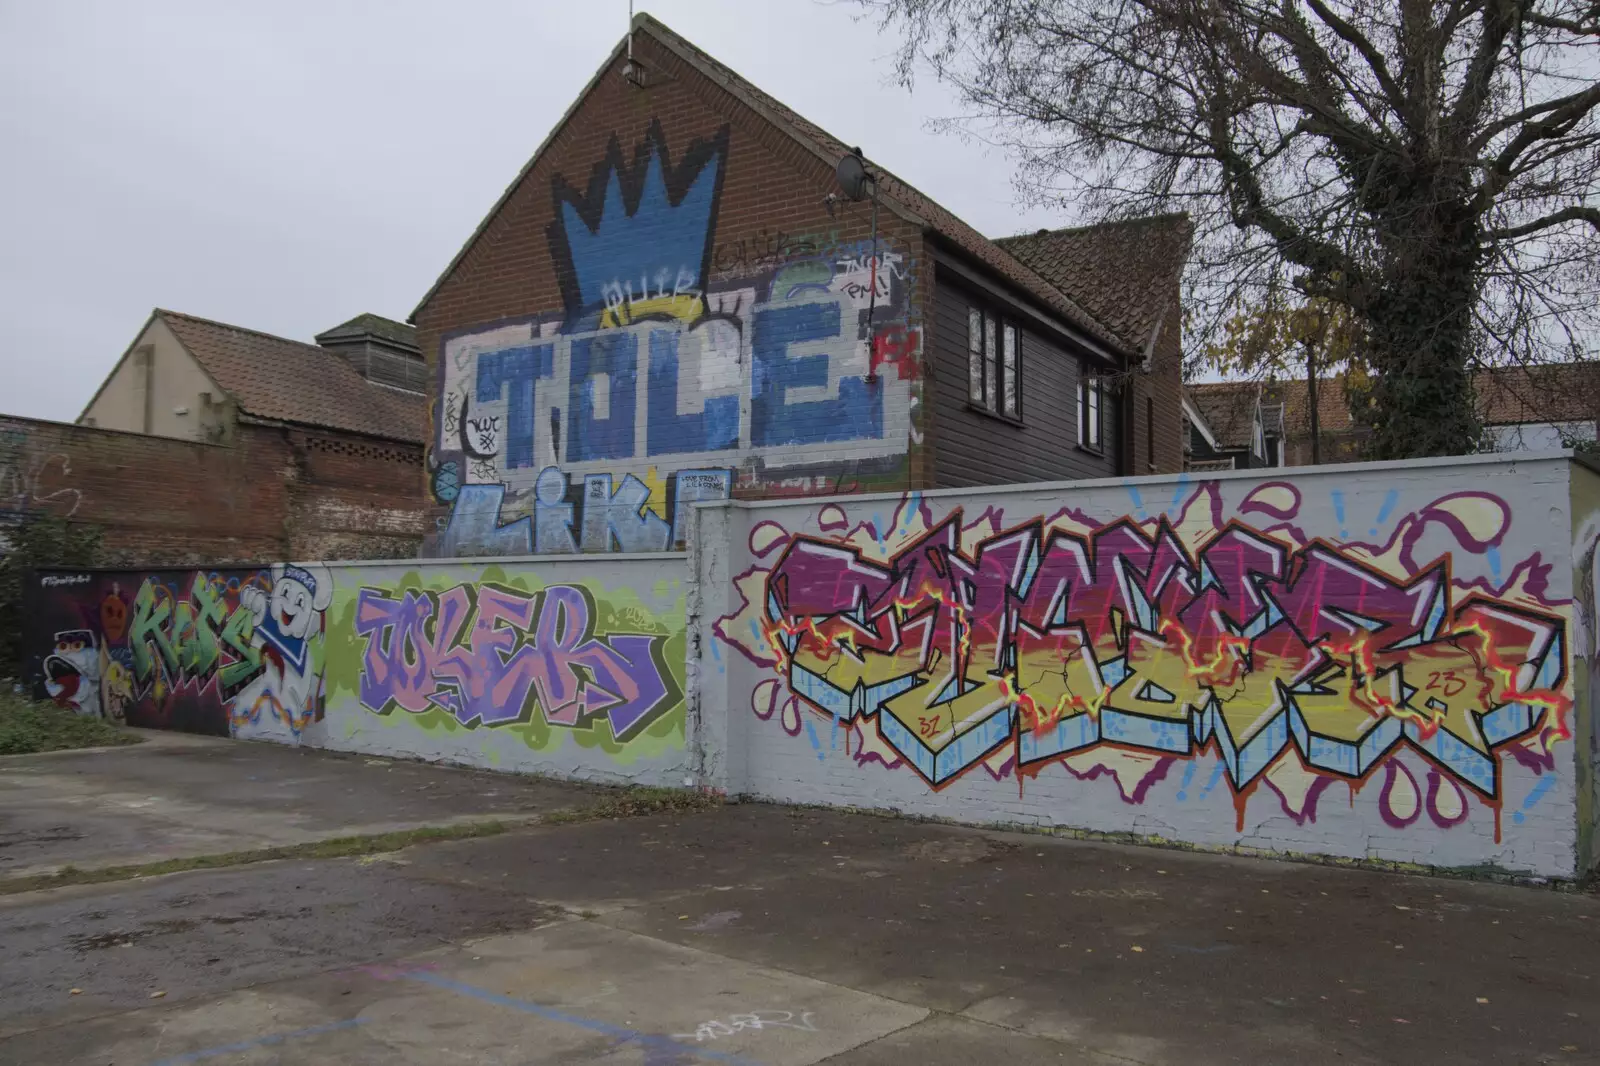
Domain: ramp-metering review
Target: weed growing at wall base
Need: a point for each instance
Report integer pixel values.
(336, 848)
(635, 802)
(27, 727)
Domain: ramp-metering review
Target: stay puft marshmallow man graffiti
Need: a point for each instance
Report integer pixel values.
(289, 621)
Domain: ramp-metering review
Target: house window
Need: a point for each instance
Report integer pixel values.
(994, 363)
(1091, 409)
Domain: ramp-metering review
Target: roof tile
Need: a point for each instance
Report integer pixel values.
(991, 253)
(285, 380)
(1229, 408)
(1125, 273)
(396, 333)
(1557, 392)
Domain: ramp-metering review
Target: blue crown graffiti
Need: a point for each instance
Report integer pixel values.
(640, 232)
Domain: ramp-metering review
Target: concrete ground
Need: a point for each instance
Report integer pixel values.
(177, 795)
(761, 934)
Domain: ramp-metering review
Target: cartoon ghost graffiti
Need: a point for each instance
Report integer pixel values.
(72, 671)
(289, 622)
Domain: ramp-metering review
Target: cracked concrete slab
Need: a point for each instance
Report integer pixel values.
(569, 992)
(191, 935)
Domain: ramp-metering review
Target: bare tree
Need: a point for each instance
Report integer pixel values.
(1431, 166)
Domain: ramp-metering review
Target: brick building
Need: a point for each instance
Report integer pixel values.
(1232, 426)
(213, 443)
(674, 301)
(1521, 408)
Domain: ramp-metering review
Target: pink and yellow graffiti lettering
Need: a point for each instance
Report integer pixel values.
(1051, 643)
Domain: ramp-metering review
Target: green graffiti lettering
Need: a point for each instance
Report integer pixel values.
(150, 617)
(236, 636)
(193, 628)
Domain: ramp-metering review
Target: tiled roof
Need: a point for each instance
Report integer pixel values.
(1557, 392)
(896, 194)
(1229, 408)
(1124, 273)
(1272, 420)
(1560, 392)
(1333, 411)
(893, 188)
(397, 333)
(287, 381)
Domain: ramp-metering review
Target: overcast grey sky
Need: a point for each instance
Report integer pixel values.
(287, 165)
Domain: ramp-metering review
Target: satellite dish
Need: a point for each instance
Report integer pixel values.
(853, 176)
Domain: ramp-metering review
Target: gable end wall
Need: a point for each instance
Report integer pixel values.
(609, 379)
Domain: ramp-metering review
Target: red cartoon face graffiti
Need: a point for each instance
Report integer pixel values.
(113, 617)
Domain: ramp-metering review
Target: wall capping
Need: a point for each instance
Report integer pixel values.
(1284, 473)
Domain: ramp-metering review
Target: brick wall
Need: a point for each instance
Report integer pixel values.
(1160, 392)
(354, 498)
(606, 360)
(275, 493)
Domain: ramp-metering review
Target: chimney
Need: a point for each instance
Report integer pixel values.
(379, 349)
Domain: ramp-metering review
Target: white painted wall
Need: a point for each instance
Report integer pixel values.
(182, 399)
(1504, 529)
(631, 623)
(1445, 721)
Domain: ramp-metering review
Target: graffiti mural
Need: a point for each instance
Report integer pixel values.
(465, 656)
(225, 652)
(675, 372)
(521, 654)
(1123, 646)
(33, 482)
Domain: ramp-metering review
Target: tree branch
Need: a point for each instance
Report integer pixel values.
(1575, 213)
(1358, 40)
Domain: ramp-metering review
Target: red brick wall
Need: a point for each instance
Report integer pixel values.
(275, 494)
(770, 211)
(353, 498)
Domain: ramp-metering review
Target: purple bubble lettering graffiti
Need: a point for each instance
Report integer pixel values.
(495, 656)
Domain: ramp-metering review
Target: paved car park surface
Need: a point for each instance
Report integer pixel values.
(751, 933)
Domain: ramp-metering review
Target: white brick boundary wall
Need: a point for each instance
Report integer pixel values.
(1387, 663)
(1437, 560)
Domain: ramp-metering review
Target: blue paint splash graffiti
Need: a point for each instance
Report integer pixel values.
(1545, 783)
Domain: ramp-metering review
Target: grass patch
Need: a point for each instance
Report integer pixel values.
(633, 802)
(27, 727)
(335, 848)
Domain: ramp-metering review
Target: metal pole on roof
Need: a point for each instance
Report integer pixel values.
(854, 178)
(872, 300)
